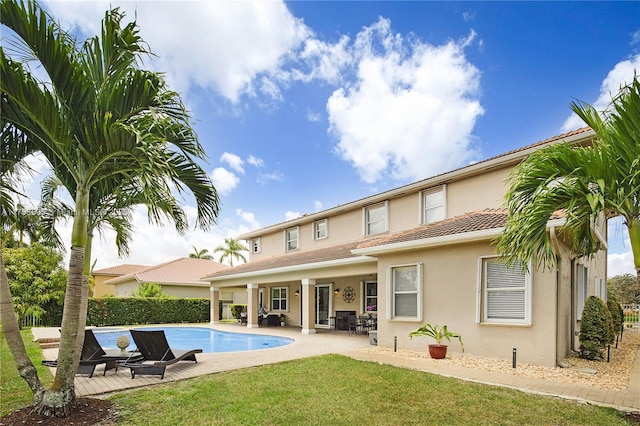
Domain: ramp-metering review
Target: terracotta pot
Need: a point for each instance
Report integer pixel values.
(438, 351)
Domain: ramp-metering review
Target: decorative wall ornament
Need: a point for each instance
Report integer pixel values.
(348, 294)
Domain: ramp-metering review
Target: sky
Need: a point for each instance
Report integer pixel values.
(302, 106)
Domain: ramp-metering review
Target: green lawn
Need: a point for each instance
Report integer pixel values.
(14, 391)
(333, 390)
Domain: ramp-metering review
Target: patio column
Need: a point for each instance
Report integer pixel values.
(252, 305)
(214, 309)
(308, 306)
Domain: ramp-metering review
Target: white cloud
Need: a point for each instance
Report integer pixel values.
(233, 161)
(620, 264)
(412, 109)
(314, 117)
(317, 205)
(231, 44)
(291, 215)
(255, 161)
(273, 176)
(621, 75)
(224, 180)
(249, 218)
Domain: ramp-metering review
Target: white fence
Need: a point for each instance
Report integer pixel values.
(31, 321)
(631, 315)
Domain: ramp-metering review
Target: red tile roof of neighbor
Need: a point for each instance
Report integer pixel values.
(119, 270)
(185, 270)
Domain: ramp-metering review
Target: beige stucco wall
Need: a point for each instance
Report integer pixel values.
(101, 289)
(475, 193)
(450, 297)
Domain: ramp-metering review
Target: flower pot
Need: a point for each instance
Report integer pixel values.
(438, 351)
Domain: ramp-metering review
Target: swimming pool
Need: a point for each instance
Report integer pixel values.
(207, 339)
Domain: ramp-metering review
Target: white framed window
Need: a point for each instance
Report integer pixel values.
(279, 298)
(505, 292)
(255, 245)
(370, 297)
(376, 218)
(405, 292)
(582, 287)
(320, 229)
(601, 288)
(291, 241)
(433, 203)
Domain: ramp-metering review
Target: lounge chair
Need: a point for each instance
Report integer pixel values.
(93, 355)
(156, 353)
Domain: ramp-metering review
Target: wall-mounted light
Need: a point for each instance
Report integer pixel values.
(336, 291)
(296, 293)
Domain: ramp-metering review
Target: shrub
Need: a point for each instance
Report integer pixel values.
(614, 310)
(595, 328)
(236, 310)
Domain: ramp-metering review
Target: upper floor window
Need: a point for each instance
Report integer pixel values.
(291, 238)
(506, 292)
(375, 219)
(320, 229)
(433, 205)
(406, 292)
(255, 245)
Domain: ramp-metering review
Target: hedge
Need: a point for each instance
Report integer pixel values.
(146, 310)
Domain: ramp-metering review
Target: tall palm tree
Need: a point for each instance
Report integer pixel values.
(99, 120)
(200, 254)
(232, 249)
(591, 184)
(14, 147)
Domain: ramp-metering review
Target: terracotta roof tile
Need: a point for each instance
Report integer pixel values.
(119, 270)
(179, 271)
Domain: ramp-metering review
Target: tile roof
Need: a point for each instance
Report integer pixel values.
(469, 222)
(118, 270)
(184, 270)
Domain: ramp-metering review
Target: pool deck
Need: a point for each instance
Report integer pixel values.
(338, 343)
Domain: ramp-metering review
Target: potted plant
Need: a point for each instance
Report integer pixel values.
(283, 319)
(437, 351)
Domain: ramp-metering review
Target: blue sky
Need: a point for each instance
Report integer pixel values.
(302, 106)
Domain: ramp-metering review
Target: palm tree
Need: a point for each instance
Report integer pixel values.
(200, 254)
(14, 147)
(231, 249)
(590, 183)
(103, 124)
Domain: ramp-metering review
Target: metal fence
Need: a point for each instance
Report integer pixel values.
(631, 315)
(31, 321)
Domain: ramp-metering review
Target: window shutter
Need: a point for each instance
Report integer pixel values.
(505, 291)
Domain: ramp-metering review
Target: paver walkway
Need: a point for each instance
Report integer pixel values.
(349, 345)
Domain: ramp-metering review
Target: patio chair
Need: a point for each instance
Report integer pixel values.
(353, 324)
(92, 356)
(156, 353)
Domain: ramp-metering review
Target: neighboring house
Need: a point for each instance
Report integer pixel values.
(100, 289)
(179, 278)
(424, 253)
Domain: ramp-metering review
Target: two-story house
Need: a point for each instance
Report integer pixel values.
(423, 253)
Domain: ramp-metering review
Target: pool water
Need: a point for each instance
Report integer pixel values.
(207, 339)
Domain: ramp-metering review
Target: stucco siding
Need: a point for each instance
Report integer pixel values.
(450, 297)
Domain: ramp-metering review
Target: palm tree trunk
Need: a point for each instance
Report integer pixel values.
(14, 339)
(60, 399)
(634, 236)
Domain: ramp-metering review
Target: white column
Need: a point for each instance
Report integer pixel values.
(214, 309)
(252, 305)
(308, 306)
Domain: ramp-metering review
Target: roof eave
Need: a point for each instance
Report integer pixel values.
(284, 269)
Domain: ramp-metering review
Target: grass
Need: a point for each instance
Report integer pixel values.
(14, 391)
(337, 390)
(326, 390)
